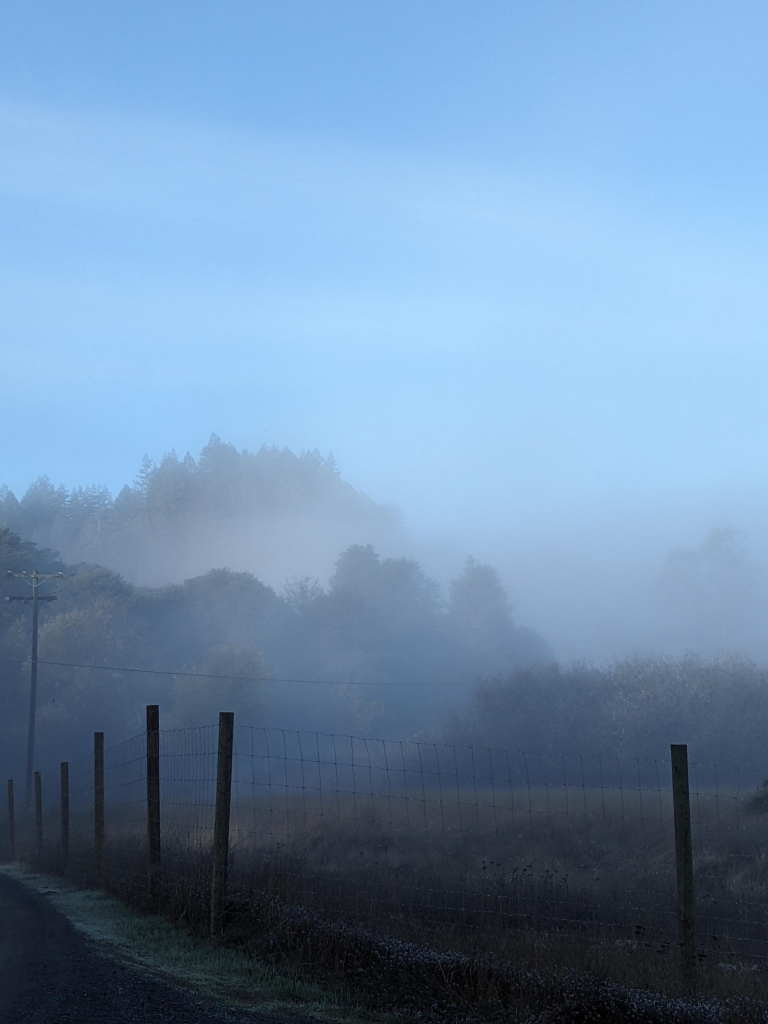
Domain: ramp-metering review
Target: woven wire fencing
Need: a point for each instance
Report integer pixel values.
(470, 835)
(387, 833)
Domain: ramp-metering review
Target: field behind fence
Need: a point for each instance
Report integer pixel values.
(388, 834)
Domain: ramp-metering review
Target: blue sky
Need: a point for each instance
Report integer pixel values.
(506, 260)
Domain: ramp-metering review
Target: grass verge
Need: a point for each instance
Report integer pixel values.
(289, 953)
(154, 943)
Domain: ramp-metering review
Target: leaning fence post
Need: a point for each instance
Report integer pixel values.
(38, 816)
(98, 807)
(683, 852)
(64, 815)
(11, 823)
(153, 802)
(221, 820)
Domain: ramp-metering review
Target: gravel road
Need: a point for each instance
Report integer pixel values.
(50, 973)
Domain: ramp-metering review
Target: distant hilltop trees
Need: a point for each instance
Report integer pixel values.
(270, 511)
(185, 571)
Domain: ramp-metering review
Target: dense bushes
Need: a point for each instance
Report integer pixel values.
(634, 707)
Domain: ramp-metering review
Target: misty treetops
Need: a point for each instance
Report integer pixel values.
(378, 619)
(151, 530)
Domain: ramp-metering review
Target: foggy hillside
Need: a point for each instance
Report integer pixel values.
(269, 512)
(651, 589)
(383, 647)
(269, 565)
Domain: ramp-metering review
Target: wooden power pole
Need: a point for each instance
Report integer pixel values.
(34, 579)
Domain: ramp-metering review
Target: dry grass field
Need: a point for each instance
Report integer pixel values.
(441, 904)
(443, 882)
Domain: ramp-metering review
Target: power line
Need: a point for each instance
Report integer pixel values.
(211, 675)
(34, 579)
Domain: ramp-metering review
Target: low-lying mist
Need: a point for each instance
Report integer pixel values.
(603, 594)
(270, 567)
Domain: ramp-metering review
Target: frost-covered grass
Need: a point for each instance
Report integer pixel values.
(153, 942)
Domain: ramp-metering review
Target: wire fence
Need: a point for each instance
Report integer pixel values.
(383, 832)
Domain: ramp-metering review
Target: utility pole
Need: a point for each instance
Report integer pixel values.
(34, 579)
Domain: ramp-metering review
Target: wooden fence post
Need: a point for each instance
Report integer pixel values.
(64, 815)
(153, 803)
(38, 816)
(683, 852)
(98, 807)
(221, 821)
(11, 823)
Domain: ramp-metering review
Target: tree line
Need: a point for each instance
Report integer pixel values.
(180, 516)
(633, 707)
(379, 621)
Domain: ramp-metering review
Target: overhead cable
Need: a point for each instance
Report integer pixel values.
(214, 675)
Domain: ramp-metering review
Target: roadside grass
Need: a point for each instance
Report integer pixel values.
(155, 943)
(286, 959)
(499, 992)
